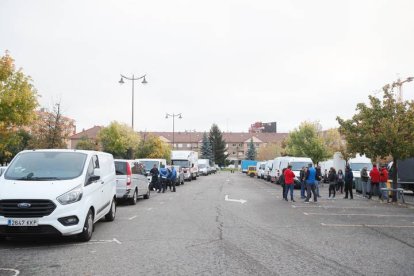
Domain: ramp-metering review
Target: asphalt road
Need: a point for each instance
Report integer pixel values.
(196, 231)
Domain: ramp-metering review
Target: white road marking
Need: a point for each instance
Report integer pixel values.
(367, 225)
(242, 201)
(118, 242)
(367, 215)
(331, 207)
(149, 209)
(16, 272)
(131, 218)
(306, 214)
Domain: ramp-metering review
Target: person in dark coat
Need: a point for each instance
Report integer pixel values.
(282, 183)
(349, 178)
(332, 182)
(154, 179)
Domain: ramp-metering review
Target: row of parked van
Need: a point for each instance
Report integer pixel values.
(270, 170)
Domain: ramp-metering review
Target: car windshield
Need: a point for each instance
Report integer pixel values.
(42, 166)
(149, 164)
(181, 163)
(360, 166)
(297, 166)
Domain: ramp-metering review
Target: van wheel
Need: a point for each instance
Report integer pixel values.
(133, 199)
(87, 231)
(147, 195)
(111, 214)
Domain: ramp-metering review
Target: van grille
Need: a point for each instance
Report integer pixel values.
(38, 208)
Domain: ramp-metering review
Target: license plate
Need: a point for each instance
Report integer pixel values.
(22, 222)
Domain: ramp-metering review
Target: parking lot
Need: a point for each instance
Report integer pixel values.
(230, 224)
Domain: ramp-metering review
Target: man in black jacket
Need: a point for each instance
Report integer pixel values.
(349, 178)
(154, 180)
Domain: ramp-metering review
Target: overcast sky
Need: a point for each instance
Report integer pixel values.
(225, 62)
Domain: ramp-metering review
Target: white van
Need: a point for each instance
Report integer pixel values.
(188, 161)
(297, 164)
(276, 168)
(359, 162)
(57, 192)
(260, 167)
(268, 169)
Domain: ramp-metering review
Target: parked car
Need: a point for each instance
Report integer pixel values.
(2, 169)
(57, 192)
(131, 181)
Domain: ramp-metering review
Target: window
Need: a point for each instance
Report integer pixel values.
(188, 145)
(180, 145)
(134, 168)
(95, 162)
(234, 152)
(240, 145)
(234, 145)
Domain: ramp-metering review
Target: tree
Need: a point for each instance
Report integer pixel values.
(14, 143)
(18, 101)
(153, 147)
(269, 151)
(51, 129)
(380, 129)
(206, 151)
(218, 145)
(306, 141)
(251, 151)
(119, 139)
(86, 143)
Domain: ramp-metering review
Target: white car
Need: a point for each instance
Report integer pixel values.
(57, 192)
(131, 181)
(2, 169)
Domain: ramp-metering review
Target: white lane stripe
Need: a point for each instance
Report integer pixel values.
(369, 215)
(367, 225)
(16, 272)
(118, 242)
(332, 207)
(131, 218)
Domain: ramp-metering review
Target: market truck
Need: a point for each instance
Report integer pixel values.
(246, 163)
(188, 160)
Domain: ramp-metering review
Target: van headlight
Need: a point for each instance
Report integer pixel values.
(72, 196)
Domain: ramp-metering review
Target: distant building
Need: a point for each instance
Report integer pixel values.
(260, 127)
(91, 133)
(236, 142)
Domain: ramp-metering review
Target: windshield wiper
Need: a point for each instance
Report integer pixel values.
(38, 178)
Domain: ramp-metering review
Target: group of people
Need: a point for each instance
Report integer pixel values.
(310, 178)
(163, 178)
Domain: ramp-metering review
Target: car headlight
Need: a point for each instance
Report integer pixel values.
(72, 196)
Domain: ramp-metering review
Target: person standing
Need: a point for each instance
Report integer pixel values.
(302, 177)
(318, 178)
(154, 178)
(282, 183)
(340, 181)
(289, 182)
(310, 184)
(383, 183)
(364, 181)
(375, 179)
(349, 178)
(332, 182)
(172, 177)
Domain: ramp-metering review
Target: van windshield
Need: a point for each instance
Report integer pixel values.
(150, 164)
(297, 166)
(360, 166)
(181, 163)
(43, 166)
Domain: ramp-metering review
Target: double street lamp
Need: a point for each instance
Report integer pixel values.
(133, 79)
(173, 117)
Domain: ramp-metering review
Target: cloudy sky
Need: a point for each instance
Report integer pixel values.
(217, 61)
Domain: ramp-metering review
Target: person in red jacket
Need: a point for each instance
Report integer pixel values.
(375, 179)
(289, 182)
(383, 182)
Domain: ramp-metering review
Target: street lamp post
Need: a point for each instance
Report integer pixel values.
(399, 84)
(132, 79)
(173, 117)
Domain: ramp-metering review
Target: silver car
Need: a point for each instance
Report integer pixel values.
(131, 181)
(180, 175)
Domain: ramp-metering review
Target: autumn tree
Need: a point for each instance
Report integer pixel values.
(51, 129)
(86, 143)
(119, 139)
(382, 128)
(306, 141)
(269, 151)
(18, 101)
(153, 147)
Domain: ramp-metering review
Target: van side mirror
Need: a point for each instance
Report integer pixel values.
(97, 172)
